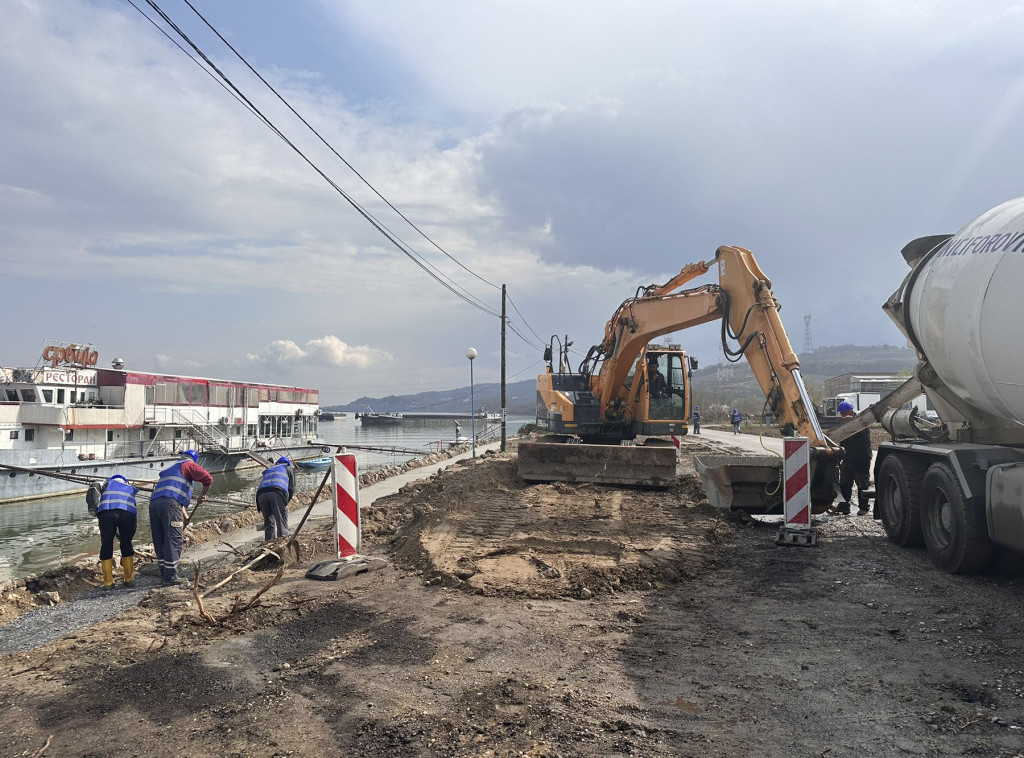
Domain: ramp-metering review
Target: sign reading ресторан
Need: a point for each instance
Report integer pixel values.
(61, 354)
(85, 378)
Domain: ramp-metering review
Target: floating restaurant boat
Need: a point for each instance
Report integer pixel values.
(68, 417)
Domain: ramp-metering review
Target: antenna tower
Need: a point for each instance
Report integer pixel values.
(808, 342)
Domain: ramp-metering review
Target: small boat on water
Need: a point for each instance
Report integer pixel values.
(69, 418)
(388, 418)
(315, 464)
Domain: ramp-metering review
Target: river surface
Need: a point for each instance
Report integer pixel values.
(41, 534)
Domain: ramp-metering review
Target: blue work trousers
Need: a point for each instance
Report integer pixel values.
(167, 521)
(273, 504)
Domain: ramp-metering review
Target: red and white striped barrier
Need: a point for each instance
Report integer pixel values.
(796, 496)
(796, 476)
(346, 506)
(675, 441)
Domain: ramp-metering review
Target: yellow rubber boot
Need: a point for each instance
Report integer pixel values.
(108, 572)
(128, 564)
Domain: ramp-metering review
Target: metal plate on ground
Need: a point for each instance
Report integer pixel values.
(340, 569)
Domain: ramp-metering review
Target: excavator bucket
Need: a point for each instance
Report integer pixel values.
(753, 483)
(749, 483)
(652, 464)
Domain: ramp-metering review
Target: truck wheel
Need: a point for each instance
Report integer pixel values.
(899, 480)
(954, 528)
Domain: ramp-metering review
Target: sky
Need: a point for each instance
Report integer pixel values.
(570, 150)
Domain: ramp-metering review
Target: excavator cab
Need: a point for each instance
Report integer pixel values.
(658, 389)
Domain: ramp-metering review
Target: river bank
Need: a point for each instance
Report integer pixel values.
(72, 580)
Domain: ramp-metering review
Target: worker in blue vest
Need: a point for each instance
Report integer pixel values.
(695, 419)
(168, 509)
(276, 488)
(118, 517)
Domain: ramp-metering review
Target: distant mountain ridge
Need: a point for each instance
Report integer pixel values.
(722, 382)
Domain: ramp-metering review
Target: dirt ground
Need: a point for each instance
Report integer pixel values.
(546, 620)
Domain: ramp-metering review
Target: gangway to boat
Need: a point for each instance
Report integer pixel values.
(203, 435)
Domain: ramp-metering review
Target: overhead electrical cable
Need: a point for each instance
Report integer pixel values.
(387, 233)
(331, 147)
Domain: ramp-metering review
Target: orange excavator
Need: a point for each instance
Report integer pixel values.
(603, 421)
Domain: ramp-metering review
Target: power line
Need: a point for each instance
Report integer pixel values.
(331, 147)
(231, 88)
(393, 238)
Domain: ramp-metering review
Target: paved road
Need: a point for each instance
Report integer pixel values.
(750, 442)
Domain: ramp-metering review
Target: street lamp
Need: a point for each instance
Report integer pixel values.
(471, 354)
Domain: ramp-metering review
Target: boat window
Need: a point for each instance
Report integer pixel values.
(60, 396)
(30, 435)
(197, 395)
(110, 435)
(152, 434)
(69, 435)
(48, 396)
(220, 395)
(29, 395)
(14, 434)
(150, 394)
(12, 395)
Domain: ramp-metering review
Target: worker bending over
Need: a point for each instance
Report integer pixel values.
(118, 517)
(275, 489)
(168, 509)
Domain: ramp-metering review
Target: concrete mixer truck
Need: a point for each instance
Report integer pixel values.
(957, 484)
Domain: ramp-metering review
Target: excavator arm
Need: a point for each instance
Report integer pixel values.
(744, 301)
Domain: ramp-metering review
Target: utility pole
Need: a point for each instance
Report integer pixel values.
(503, 437)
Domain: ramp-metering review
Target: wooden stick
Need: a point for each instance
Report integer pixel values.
(42, 750)
(232, 575)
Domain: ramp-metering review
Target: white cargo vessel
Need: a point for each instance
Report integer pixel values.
(67, 417)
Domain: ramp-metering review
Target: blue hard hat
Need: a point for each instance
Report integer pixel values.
(845, 407)
(118, 476)
(190, 454)
(285, 460)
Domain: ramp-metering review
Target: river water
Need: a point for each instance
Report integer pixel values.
(42, 534)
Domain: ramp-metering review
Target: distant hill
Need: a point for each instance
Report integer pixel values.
(733, 384)
(723, 383)
(520, 398)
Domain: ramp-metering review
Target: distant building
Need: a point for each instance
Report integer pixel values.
(883, 384)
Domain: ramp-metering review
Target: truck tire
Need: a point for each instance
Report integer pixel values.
(899, 481)
(954, 528)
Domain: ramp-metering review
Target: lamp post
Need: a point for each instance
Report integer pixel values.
(471, 354)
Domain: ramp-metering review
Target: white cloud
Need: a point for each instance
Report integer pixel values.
(324, 351)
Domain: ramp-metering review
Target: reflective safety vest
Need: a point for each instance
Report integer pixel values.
(117, 494)
(174, 485)
(275, 476)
